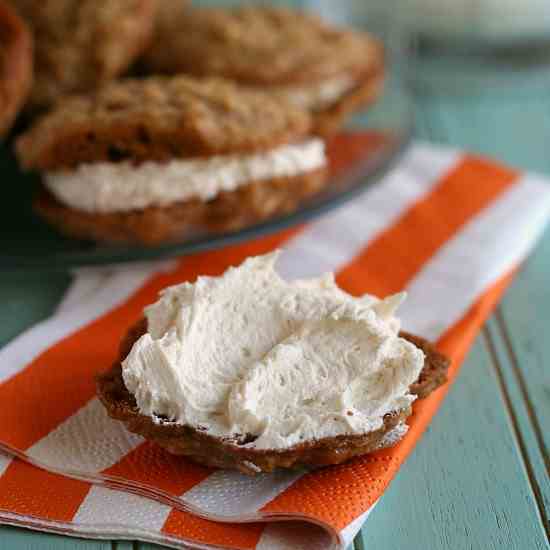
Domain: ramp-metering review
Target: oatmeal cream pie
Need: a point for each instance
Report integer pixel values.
(83, 43)
(15, 65)
(150, 160)
(252, 372)
(330, 71)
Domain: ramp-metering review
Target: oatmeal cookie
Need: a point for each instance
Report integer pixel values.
(330, 71)
(15, 65)
(84, 43)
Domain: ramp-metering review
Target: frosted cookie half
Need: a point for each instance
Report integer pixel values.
(252, 372)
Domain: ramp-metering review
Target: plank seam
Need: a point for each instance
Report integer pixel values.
(420, 113)
(358, 542)
(535, 488)
(520, 379)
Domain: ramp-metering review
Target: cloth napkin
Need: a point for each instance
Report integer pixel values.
(449, 228)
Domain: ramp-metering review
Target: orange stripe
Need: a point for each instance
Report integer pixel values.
(30, 491)
(151, 466)
(243, 536)
(61, 379)
(353, 488)
(397, 254)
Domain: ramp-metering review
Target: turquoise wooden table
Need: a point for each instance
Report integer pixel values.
(479, 477)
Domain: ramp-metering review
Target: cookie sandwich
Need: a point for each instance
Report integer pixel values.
(330, 71)
(15, 65)
(83, 44)
(151, 160)
(251, 372)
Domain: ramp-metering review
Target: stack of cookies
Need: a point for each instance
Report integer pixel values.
(152, 120)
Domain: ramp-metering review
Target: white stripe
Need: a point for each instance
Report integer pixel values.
(87, 442)
(226, 493)
(88, 281)
(294, 535)
(83, 286)
(112, 508)
(348, 533)
(5, 461)
(336, 238)
(26, 347)
(485, 249)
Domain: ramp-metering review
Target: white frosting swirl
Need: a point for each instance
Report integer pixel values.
(248, 353)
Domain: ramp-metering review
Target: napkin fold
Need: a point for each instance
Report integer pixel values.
(448, 227)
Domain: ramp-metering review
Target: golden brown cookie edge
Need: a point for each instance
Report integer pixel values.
(369, 89)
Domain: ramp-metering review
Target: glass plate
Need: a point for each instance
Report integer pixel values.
(370, 146)
(358, 159)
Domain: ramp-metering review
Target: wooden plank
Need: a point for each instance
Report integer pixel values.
(491, 124)
(144, 546)
(464, 486)
(27, 298)
(515, 129)
(524, 324)
(524, 418)
(12, 538)
(443, 506)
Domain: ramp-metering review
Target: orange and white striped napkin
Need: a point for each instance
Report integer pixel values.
(448, 227)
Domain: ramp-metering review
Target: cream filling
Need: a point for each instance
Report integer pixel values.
(319, 96)
(105, 187)
(248, 353)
